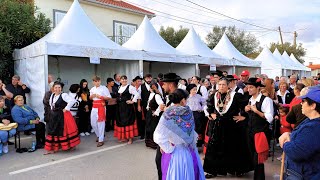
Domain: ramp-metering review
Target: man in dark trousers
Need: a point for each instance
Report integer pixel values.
(145, 92)
(260, 111)
(170, 84)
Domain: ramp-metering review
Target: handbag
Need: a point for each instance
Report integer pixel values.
(8, 127)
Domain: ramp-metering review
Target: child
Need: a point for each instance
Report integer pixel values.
(196, 103)
(285, 126)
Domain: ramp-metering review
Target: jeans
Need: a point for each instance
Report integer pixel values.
(5, 135)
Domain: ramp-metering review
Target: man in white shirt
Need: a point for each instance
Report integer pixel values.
(233, 84)
(99, 94)
(200, 89)
(260, 110)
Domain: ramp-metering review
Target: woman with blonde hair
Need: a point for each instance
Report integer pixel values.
(307, 82)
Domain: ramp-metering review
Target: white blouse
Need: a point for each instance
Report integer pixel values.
(132, 90)
(65, 97)
(158, 100)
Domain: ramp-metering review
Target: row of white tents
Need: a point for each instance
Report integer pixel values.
(77, 49)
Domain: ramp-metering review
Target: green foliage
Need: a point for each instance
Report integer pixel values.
(298, 51)
(20, 25)
(246, 43)
(172, 36)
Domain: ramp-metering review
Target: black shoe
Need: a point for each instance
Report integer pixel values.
(142, 137)
(10, 143)
(209, 176)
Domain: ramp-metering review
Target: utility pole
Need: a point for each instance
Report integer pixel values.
(295, 35)
(281, 36)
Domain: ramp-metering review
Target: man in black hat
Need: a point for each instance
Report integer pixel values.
(137, 81)
(260, 110)
(233, 84)
(170, 84)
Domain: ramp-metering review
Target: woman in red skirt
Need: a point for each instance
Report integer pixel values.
(62, 128)
(125, 128)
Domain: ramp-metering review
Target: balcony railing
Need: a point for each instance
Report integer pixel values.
(119, 39)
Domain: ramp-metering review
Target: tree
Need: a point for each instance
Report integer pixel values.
(172, 36)
(244, 42)
(298, 51)
(20, 25)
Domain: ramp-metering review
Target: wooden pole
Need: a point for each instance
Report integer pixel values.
(295, 35)
(280, 36)
(282, 166)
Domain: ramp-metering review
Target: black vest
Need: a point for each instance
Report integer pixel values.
(59, 105)
(199, 92)
(144, 95)
(257, 123)
(153, 105)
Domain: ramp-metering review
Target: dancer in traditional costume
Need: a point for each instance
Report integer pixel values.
(153, 114)
(126, 125)
(177, 139)
(99, 94)
(62, 128)
(226, 149)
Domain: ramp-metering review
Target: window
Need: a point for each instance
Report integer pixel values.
(123, 31)
(58, 16)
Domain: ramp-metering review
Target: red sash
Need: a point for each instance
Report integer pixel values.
(262, 147)
(100, 104)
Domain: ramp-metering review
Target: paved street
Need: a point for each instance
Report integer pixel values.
(113, 161)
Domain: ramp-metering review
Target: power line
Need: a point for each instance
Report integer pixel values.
(185, 20)
(239, 20)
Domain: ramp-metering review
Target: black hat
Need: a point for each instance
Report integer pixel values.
(136, 78)
(217, 72)
(190, 86)
(230, 77)
(171, 77)
(255, 82)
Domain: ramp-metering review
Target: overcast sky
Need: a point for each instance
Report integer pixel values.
(291, 15)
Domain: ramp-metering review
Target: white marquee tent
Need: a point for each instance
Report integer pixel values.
(286, 68)
(193, 45)
(305, 71)
(270, 65)
(65, 52)
(226, 49)
(158, 55)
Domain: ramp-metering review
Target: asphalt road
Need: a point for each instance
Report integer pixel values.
(113, 161)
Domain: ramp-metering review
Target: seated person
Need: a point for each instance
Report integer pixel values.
(28, 119)
(5, 118)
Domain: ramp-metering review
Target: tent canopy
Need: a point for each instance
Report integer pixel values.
(280, 59)
(226, 49)
(269, 65)
(304, 68)
(289, 61)
(155, 48)
(193, 45)
(76, 35)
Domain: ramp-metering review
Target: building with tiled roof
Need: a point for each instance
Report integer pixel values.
(115, 18)
(315, 68)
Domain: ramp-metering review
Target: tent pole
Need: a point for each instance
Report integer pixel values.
(95, 69)
(197, 70)
(233, 69)
(141, 67)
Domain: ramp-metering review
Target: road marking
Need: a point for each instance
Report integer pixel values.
(67, 159)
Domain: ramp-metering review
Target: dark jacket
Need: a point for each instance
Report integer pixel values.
(6, 114)
(302, 151)
(288, 98)
(17, 91)
(295, 115)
